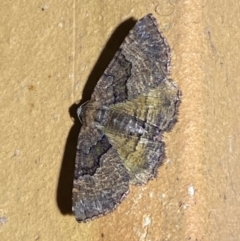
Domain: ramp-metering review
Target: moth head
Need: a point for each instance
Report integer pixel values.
(80, 111)
(87, 112)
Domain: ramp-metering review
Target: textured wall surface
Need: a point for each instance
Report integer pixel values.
(52, 54)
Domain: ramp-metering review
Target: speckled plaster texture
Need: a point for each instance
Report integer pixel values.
(52, 54)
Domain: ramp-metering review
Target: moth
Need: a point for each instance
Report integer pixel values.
(121, 138)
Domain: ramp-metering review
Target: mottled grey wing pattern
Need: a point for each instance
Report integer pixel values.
(141, 63)
(101, 180)
(120, 141)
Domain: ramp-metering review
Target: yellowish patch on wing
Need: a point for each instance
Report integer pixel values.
(149, 106)
(133, 152)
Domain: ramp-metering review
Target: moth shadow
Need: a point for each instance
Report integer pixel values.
(65, 181)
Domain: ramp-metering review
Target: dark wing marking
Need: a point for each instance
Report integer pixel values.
(101, 180)
(141, 63)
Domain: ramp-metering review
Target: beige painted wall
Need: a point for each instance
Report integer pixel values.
(52, 54)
